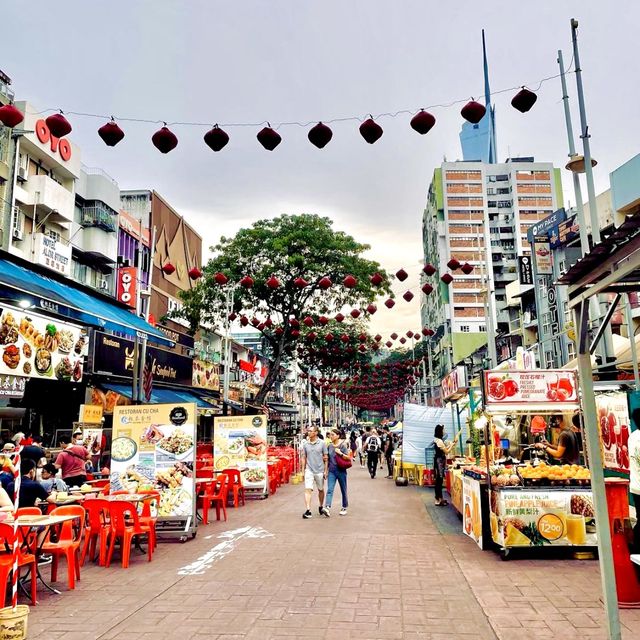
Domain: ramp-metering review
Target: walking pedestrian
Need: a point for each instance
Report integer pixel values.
(359, 445)
(388, 452)
(315, 464)
(442, 449)
(352, 443)
(373, 446)
(338, 447)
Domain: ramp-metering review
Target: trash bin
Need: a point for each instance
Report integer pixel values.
(13, 624)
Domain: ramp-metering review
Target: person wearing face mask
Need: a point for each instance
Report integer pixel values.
(442, 450)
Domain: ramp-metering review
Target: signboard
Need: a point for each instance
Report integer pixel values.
(454, 382)
(35, 346)
(542, 251)
(456, 489)
(206, 375)
(542, 227)
(108, 400)
(525, 269)
(52, 254)
(127, 286)
(540, 518)
(241, 441)
(613, 418)
(92, 442)
(540, 390)
(91, 413)
(114, 356)
(472, 509)
(565, 232)
(12, 386)
(133, 227)
(153, 448)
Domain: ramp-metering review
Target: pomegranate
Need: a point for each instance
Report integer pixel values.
(497, 390)
(510, 387)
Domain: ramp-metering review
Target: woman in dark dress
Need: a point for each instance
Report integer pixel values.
(442, 450)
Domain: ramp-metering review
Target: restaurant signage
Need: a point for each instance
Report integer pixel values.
(525, 270)
(114, 356)
(542, 227)
(453, 383)
(182, 339)
(90, 413)
(12, 386)
(127, 286)
(52, 254)
(613, 419)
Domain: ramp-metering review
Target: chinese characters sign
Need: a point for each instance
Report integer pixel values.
(613, 418)
(53, 254)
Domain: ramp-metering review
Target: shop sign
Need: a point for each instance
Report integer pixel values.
(35, 346)
(472, 509)
(542, 227)
(12, 386)
(53, 254)
(241, 441)
(525, 270)
(90, 413)
(206, 375)
(127, 285)
(542, 251)
(114, 356)
(153, 447)
(454, 382)
(535, 518)
(540, 390)
(613, 419)
(131, 226)
(108, 400)
(564, 233)
(58, 145)
(175, 336)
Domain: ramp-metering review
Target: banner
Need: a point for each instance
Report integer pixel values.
(241, 441)
(127, 285)
(538, 518)
(539, 390)
(91, 413)
(525, 270)
(206, 375)
(613, 418)
(542, 250)
(153, 448)
(36, 346)
(92, 442)
(472, 509)
(454, 382)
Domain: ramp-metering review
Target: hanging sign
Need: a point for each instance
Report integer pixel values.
(542, 250)
(454, 383)
(127, 285)
(525, 270)
(613, 419)
(91, 413)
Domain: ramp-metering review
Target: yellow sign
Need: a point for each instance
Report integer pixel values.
(552, 526)
(91, 413)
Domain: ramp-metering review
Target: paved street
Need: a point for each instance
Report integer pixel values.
(394, 568)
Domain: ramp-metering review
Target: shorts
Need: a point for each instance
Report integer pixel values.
(311, 478)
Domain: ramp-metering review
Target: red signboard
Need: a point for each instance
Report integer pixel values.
(127, 283)
(61, 145)
(133, 227)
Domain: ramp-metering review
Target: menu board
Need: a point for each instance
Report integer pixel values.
(613, 418)
(542, 517)
(472, 509)
(206, 375)
(241, 441)
(153, 448)
(35, 346)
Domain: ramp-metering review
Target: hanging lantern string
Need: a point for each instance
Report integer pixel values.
(388, 114)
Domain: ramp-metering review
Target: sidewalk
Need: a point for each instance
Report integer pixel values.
(394, 568)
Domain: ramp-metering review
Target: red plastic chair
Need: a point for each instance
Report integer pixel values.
(120, 492)
(25, 559)
(272, 470)
(235, 486)
(28, 511)
(149, 515)
(68, 544)
(97, 531)
(101, 485)
(125, 526)
(215, 493)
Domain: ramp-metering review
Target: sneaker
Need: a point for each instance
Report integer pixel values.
(325, 512)
(343, 512)
(307, 514)
(320, 508)
(45, 559)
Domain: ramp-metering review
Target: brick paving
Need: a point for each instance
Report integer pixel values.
(394, 568)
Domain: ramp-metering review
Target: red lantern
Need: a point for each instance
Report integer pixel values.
(416, 337)
(524, 100)
(308, 321)
(294, 323)
(216, 139)
(244, 321)
(427, 288)
(349, 282)
(362, 337)
(344, 337)
(429, 269)
(246, 282)
(339, 317)
(402, 275)
(168, 268)
(301, 283)
(408, 296)
(220, 278)
(311, 336)
(389, 303)
(10, 116)
(254, 321)
(323, 320)
(295, 333)
(473, 111)
(329, 337)
(268, 323)
(111, 133)
(394, 336)
(279, 331)
(376, 279)
(164, 140)
(371, 309)
(453, 264)
(422, 122)
(430, 332)
(58, 125)
(409, 334)
(447, 278)
(325, 282)
(232, 316)
(377, 337)
(403, 340)
(370, 131)
(273, 282)
(269, 138)
(355, 313)
(389, 344)
(466, 268)
(320, 135)
(195, 273)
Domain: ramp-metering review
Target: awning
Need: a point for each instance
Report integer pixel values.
(162, 395)
(48, 294)
(282, 407)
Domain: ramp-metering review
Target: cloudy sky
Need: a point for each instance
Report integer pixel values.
(249, 61)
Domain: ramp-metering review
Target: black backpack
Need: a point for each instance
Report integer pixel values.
(373, 444)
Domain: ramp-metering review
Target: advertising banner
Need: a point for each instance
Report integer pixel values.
(542, 390)
(35, 346)
(153, 448)
(472, 509)
(241, 442)
(525, 270)
(542, 250)
(91, 413)
(454, 382)
(613, 417)
(456, 490)
(127, 285)
(92, 442)
(537, 518)
(206, 375)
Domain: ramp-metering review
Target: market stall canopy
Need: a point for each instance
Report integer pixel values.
(162, 395)
(282, 407)
(48, 294)
(621, 350)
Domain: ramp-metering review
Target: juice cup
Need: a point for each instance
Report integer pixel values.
(576, 529)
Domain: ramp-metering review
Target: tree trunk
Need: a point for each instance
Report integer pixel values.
(269, 381)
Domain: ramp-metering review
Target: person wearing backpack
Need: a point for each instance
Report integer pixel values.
(373, 446)
(388, 451)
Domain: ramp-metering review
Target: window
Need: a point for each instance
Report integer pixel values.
(504, 204)
(464, 328)
(504, 190)
(546, 322)
(566, 311)
(491, 191)
(562, 266)
(491, 203)
(54, 235)
(482, 328)
(548, 358)
(571, 348)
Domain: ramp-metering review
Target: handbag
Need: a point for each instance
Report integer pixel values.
(343, 463)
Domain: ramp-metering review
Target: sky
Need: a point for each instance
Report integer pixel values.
(253, 61)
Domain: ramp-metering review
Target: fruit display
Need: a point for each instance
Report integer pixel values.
(474, 471)
(504, 477)
(545, 474)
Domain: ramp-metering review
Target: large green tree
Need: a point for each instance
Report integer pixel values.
(285, 252)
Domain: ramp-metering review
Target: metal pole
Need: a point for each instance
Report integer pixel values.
(227, 342)
(591, 430)
(321, 409)
(136, 370)
(309, 401)
(141, 366)
(632, 342)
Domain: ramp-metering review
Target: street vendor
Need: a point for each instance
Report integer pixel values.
(567, 449)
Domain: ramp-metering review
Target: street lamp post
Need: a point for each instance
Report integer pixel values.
(229, 301)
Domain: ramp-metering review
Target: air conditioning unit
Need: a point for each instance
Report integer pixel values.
(17, 234)
(22, 174)
(103, 283)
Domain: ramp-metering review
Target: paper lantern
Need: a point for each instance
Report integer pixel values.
(195, 273)
(323, 320)
(58, 125)
(329, 337)
(430, 332)
(246, 282)
(524, 100)
(216, 139)
(164, 140)
(447, 278)
(244, 321)
(370, 131)
(269, 138)
(320, 135)
(408, 296)
(233, 316)
(325, 283)
(339, 317)
(349, 282)
(416, 336)
(473, 111)
(311, 336)
(389, 344)
(10, 116)
(403, 340)
(345, 337)
(362, 337)
(394, 336)
(377, 337)
(254, 321)
(308, 321)
(371, 309)
(293, 322)
(466, 268)
(268, 323)
(301, 283)
(220, 278)
(111, 133)
(429, 269)
(168, 268)
(389, 303)
(402, 275)
(453, 264)
(422, 122)
(295, 333)
(279, 331)
(355, 313)
(376, 279)
(409, 334)
(273, 282)
(427, 288)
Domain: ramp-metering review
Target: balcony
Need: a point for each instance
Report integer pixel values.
(99, 215)
(48, 196)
